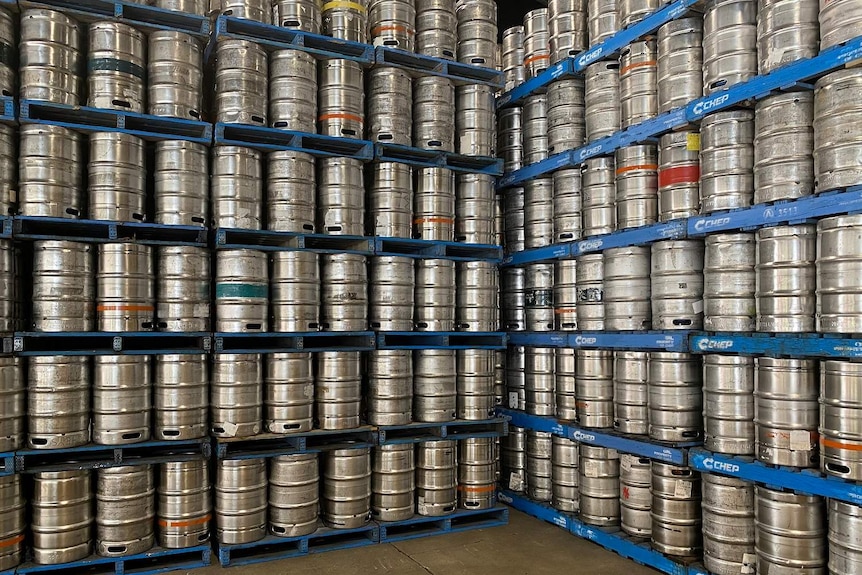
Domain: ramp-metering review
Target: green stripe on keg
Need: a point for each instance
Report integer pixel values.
(113, 65)
(8, 55)
(241, 290)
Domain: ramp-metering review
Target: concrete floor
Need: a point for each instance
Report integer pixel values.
(526, 546)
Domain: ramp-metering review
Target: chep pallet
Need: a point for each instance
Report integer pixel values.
(423, 158)
(268, 240)
(156, 560)
(108, 343)
(274, 139)
(274, 444)
(462, 520)
(418, 432)
(457, 251)
(104, 231)
(440, 340)
(276, 342)
(137, 15)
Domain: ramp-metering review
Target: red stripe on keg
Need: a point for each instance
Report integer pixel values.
(434, 221)
(341, 116)
(480, 489)
(679, 175)
(187, 523)
(838, 445)
(625, 169)
(12, 541)
(625, 69)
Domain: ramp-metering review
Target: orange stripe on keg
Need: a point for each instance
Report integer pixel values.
(565, 310)
(679, 175)
(838, 445)
(125, 308)
(434, 221)
(12, 541)
(625, 69)
(186, 523)
(341, 116)
(531, 59)
(394, 27)
(625, 169)
(481, 489)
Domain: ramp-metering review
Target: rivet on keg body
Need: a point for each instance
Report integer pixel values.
(64, 290)
(791, 532)
(391, 23)
(602, 20)
(289, 392)
(837, 139)
(290, 192)
(631, 392)
(839, 306)
(513, 299)
(679, 175)
(626, 289)
(566, 295)
(236, 395)
(125, 296)
(565, 383)
(680, 62)
(58, 402)
(294, 494)
(257, 10)
(728, 398)
(598, 196)
(338, 389)
(125, 510)
(433, 122)
(539, 466)
(637, 186)
(786, 411)
(434, 385)
(390, 200)
(13, 506)
(477, 461)
(343, 292)
(241, 82)
(787, 31)
(175, 75)
(116, 177)
(594, 371)
(601, 100)
(729, 43)
(13, 406)
(237, 187)
(180, 167)
(389, 397)
(635, 497)
(477, 32)
(786, 270)
(475, 384)
(844, 525)
(726, 161)
(436, 28)
(348, 21)
(728, 524)
(539, 296)
(537, 55)
(183, 289)
(341, 99)
(295, 291)
(393, 482)
(116, 67)
(477, 289)
(241, 291)
(676, 284)
(61, 516)
(839, 414)
(390, 103)
(340, 197)
(512, 57)
(50, 172)
(434, 204)
(303, 15)
(599, 485)
(51, 62)
(638, 82)
(346, 488)
(293, 90)
(180, 396)
(121, 399)
(567, 28)
(475, 120)
(676, 514)
(240, 500)
(184, 506)
(783, 147)
(539, 212)
(675, 397)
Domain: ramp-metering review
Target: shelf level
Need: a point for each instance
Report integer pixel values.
(108, 343)
(102, 231)
(657, 341)
(269, 139)
(278, 342)
(421, 65)
(796, 345)
(156, 560)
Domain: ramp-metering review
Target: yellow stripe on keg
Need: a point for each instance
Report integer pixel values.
(343, 4)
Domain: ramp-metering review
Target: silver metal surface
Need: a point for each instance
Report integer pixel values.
(125, 510)
(391, 23)
(390, 102)
(436, 479)
(51, 63)
(50, 171)
(786, 300)
(539, 296)
(631, 375)
(567, 28)
(183, 289)
(537, 55)
(390, 200)
(64, 289)
(510, 135)
(237, 187)
(675, 397)
(728, 404)
(121, 399)
(58, 401)
(289, 392)
(13, 506)
(565, 384)
(539, 467)
(240, 500)
(513, 456)
(728, 524)
(294, 494)
(601, 100)
(434, 295)
(340, 197)
(844, 548)
(729, 43)
(680, 62)
(566, 111)
(598, 196)
(341, 98)
(241, 291)
(338, 389)
(116, 67)
(116, 177)
(236, 395)
(837, 137)
(477, 290)
(180, 396)
(389, 394)
(599, 486)
(436, 28)
(791, 532)
(726, 161)
(393, 482)
(729, 282)
(13, 407)
(295, 291)
(539, 380)
(839, 419)
(61, 516)
(433, 122)
(174, 75)
(477, 32)
(564, 474)
(258, 10)
(535, 128)
(594, 387)
(637, 186)
(676, 517)
(626, 288)
(513, 299)
(676, 284)
(293, 88)
(839, 308)
(179, 169)
(635, 497)
(538, 212)
(434, 385)
(390, 293)
(475, 120)
(184, 506)
(678, 175)
(638, 81)
(302, 15)
(602, 20)
(590, 289)
(787, 30)
(241, 82)
(290, 192)
(343, 292)
(477, 473)
(124, 287)
(840, 21)
(783, 147)
(346, 21)
(512, 57)
(434, 204)
(566, 295)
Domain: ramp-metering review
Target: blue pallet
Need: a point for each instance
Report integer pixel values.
(156, 560)
(86, 119)
(796, 345)
(7, 464)
(274, 139)
(655, 341)
(6, 225)
(440, 340)
(457, 251)
(266, 240)
(7, 110)
(809, 481)
(578, 63)
(102, 231)
(138, 15)
(100, 456)
(418, 432)
(787, 76)
(638, 445)
(275, 342)
(422, 158)
(421, 65)
(630, 548)
(109, 343)
(279, 38)
(462, 520)
(274, 444)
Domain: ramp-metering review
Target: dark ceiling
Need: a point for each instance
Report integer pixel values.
(511, 12)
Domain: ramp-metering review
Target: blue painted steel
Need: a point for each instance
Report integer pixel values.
(7, 464)
(5, 227)
(137, 15)
(802, 480)
(110, 343)
(440, 340)
(552, 252)
(660, 341)
(266, 240)
(279, 38)
(435, 249)
(86, 119)
(636, 445)
(422, 158)
(462, 520)
(7, 110)
(797, 345)
(418, 432)
(284, 342)
(609, 47)
(617, 542)
(101, 231)
(272, 548)
(634, 237)
(274, 139)
(421, 65)
(758, 87)
(156, 560)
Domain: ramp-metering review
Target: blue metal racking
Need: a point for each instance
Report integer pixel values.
(440, 340)
(422, 65)
(101, 231)
(273, 139)
(797, 345)
(654, 340)
(462, 520)
(283, 342)
(274, 444)
(156, 560)
(106, 343)
(422, 158)
(417, 432)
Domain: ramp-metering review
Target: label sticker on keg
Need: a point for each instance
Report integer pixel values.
(420, 505)
(682, 489)
(513, 400)
(626, 462)
(692, 142)
(748, 562)
(800, 439)
(591, 468)
(309, 390)
(697, 307)
(229, 428)
(516, 481)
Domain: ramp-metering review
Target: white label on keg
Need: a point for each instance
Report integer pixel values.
(379, 41)
(229, 428)
(748, 562)
(591, 469)
(800, 439)
(420, 505)
(682, 489)
(697, 307)
(516, 481)
(513, 400)
(309, 390)
(626, 462)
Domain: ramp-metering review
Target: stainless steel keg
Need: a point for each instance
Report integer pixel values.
(434, 295)
(241, 82)
(840, 21)
(237, 188)
(116, 67)
(632, 11)
(676, 284)
(475, 120)
(121, 399)
(638, 81)
(390, 293)
(477, 32)
(839, 307)
(513, 455)
(434, 204)
(63, 286)
(124, 287)
(727, 161)
(8, 69)
(12, 521)
(240, 500)
(839, 416)
(389, 394)
(51, 63)
(680, 62)
(590, 290)
(538, 212)
(290, 192)
(516, 378)
(729, 43)
(391, 23)
(675, 397)
(565, 384)
(535, 128)
(390, 200)
(338, 389)
(631, 375)
(539, 467)
(13, 406)
(198, 7)
(786, 300)
(598, 196)
(728, 404)
(637, 185)
(241, 291)
(340, 197)
(295, 288)
(601, 101)
(512, 58)
(786, 31)
(537, 55)
(728, 524)
(50, 172)
(564, 474)
(125, 510)
(116, 177)
(729, 282)
(341, 99)
(567, 28)
(58, 402)
(289, 392)
(294, 494)
(293, 88)
(393, 482)
(539, 380)
(434, 385)
(837, 138)
(437, 28)
(436, 478)
(183, 289)
(346, 488)
(566, 295)
(602, 20)
(179, 169)
(433, 125)
(844, 548)
(258, 10)
(8, 167)
(477, 289)
(346, 21)
(627, 288)
(566, 115)
(594, 387)
(678, 175)
(184, 507)
(236, 395)
(513, 298)
(10, 293)
(477, 473)
(599, 485)
(61, 516)
(510, 135)
(180, 396)
(539, 296)
(783, 147)
(175, 75)
(791, 532)
(390, 102)
(635, 497)
(304, 15)
(676, 515)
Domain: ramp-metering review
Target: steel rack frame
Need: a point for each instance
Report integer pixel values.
(107, 343)
(652, 340)
(419, 432)
(283, 342)
(103, 231)
(156, 560)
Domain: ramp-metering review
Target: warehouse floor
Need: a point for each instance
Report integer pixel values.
(526, 546)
